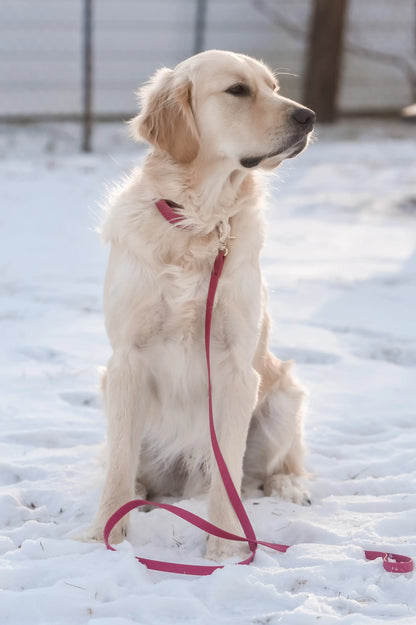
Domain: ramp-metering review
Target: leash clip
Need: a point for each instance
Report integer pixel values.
(224, 233)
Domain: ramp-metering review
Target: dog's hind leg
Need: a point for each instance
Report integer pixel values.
(274, 455)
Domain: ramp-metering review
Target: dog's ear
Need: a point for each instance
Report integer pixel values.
(167, 120)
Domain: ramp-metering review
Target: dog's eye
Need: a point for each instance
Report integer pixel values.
(239, 90)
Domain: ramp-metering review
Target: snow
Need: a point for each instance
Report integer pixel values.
(341, 266)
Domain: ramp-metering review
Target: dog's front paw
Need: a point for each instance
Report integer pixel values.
(117, 535)
(95, 533)
(288, 487)
(219, 549)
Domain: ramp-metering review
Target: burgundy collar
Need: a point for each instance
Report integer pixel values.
(165, 208)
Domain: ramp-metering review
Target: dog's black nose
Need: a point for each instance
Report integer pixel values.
(304, 117)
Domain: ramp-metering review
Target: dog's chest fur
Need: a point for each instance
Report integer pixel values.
(156, 290)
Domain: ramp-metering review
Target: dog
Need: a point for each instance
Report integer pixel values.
(214, 123)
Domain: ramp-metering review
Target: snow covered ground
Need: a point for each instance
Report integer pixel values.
(341, 266)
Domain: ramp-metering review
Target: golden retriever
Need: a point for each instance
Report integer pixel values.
(211, 122)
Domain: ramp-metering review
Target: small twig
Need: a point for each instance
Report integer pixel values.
(178, 543)
(75, 586)
(353, 477)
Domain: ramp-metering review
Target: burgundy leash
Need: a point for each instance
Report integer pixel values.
(392, 562)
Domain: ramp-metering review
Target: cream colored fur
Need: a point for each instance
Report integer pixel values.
(155, 387)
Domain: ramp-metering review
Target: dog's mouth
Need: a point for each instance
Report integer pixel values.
(285, 151)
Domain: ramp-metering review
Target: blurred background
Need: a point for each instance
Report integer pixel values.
(84, 59)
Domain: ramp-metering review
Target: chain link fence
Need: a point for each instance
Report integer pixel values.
(43, 51)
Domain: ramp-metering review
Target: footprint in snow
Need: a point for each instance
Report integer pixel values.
(307, 356)
(403, 356)
(81, 399)
(41, 354)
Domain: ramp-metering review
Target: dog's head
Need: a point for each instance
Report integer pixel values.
(222, 105)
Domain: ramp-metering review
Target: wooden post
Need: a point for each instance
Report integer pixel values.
(87, 77)
(324, 58)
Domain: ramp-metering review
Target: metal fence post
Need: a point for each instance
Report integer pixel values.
(87, 72)
(200, 23)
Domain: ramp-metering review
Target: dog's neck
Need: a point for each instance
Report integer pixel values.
(207, 191)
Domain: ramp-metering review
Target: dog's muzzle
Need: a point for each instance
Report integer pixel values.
(301, 121)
